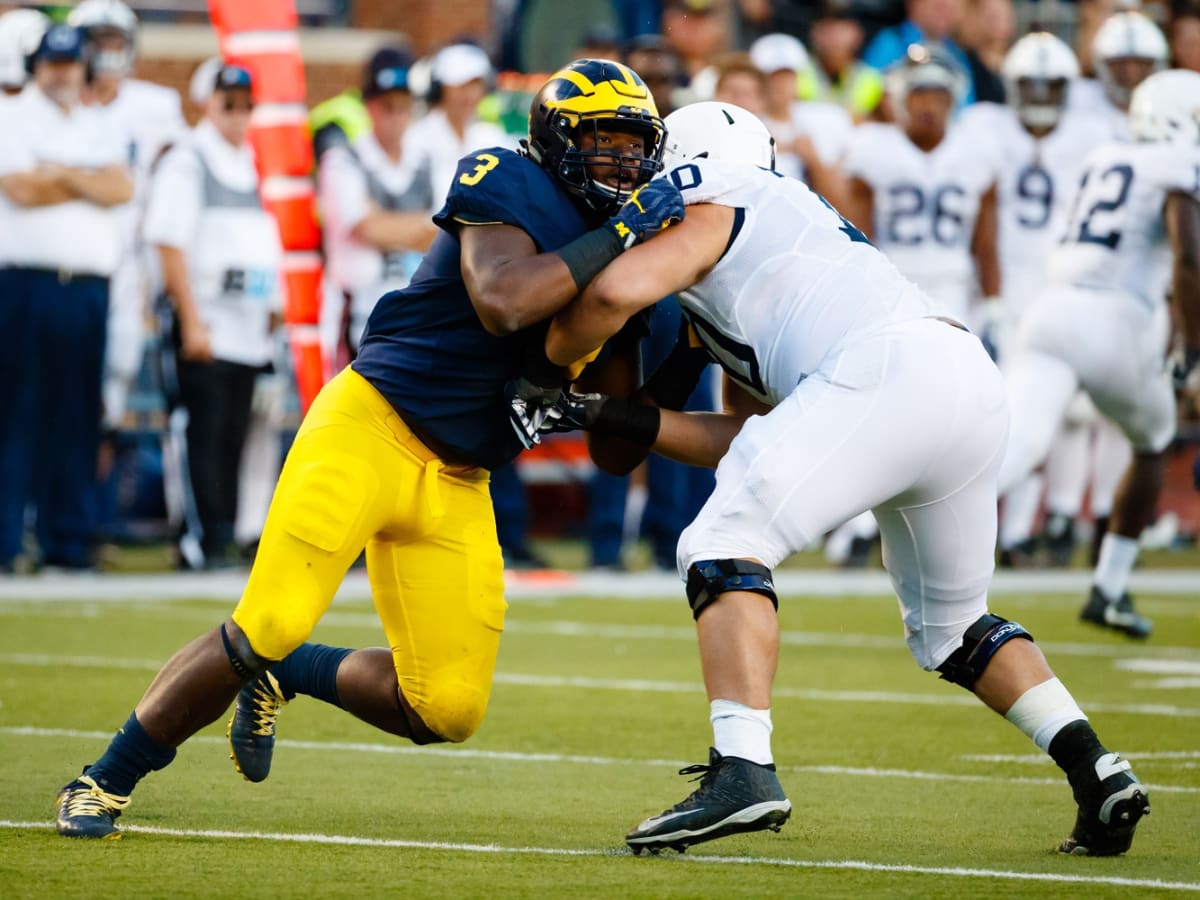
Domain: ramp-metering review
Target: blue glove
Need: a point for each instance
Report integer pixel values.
(1196, 472)
(654, 207)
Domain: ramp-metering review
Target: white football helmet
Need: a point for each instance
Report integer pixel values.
(1126, 35)
(94, 17)
(1038, 71)
(21, 31)
(714, 130)
(923, 68)
(1166, 108)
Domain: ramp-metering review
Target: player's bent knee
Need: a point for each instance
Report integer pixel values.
(982, 639)
(452, 712)
(273, 633)
(708, 579)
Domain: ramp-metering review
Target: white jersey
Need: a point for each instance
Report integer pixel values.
(1037, 180)
(1115, 238)
(796, 281)
(925, 205)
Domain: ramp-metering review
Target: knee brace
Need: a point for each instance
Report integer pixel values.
(980, 642)
(710, 578)
(242, 659)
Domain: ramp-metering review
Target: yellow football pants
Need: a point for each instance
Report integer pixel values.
(357, 476)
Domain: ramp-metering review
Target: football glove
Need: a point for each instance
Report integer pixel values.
(654, 207)
(600, 414)
(529, 405)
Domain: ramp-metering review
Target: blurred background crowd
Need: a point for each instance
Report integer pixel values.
(146, 387)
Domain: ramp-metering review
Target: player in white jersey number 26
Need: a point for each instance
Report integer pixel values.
(861, 399)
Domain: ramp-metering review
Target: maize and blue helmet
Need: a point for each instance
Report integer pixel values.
(594, 95)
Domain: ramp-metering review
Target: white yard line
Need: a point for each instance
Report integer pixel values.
(571, 759)
(941, 698)
(637, 585)
(687, 859)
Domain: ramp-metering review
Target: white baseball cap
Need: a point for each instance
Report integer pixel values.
(460, 63)
(773, 52)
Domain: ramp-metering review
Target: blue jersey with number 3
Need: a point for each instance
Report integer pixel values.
(425, 349)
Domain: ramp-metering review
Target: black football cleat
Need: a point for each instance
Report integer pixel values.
(1119, 615)
(251, 730)
(1111, 802)
(734, 796)
(85, 810)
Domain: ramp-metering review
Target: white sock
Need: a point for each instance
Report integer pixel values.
(1043, 710)
(1117, 556)
(741, 731)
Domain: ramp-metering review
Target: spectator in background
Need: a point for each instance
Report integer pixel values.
(222, 267)
(149, 118)
(736, 80)
(810, 137)
(61, 175)
(1184, 33)
(653, 57)
(460, 74)
(376, 202)
(836, 74)
(697, 29)
(986, 33)
(20, 32)
(600, 41)
(928, 22)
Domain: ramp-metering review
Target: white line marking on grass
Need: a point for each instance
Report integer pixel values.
(513, 756)
(645, 685)
(1042, 758)
(655, 586)
(452, 847)
(1159, 666)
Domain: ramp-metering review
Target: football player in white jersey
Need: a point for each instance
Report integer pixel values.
(149, 117)
(1133, 233)
(1040, 143)
(1091, 453)
(924, 189)
(846, 394)
(1127, 49)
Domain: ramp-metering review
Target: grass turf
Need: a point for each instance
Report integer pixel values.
(597, 701)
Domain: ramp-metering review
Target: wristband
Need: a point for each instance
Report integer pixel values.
(635, 422)
(587, 255)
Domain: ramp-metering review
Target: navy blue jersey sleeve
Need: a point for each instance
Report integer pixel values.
(499, 187)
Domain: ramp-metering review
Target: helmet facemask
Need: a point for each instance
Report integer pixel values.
(605, 178)
(1040, 101)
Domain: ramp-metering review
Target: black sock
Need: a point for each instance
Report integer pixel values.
(1074, 745)
(131, 755)
(311, 669)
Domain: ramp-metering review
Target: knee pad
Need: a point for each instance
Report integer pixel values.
(710, 578)
(980, 642)
(243, 660)
(452, 712)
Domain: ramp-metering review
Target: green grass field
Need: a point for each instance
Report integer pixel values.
(902, 785)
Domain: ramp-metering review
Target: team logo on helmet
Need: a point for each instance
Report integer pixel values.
(587, 97)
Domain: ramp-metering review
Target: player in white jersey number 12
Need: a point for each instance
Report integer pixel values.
(1134, 233)
(863, 400)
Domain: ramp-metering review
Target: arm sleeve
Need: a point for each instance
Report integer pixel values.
(173, 206)
(856, 162)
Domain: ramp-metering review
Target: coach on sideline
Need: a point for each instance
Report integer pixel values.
(61, 174)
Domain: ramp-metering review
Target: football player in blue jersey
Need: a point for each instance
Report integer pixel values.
(394, 456)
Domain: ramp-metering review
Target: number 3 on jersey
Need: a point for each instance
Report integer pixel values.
(486, 163)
